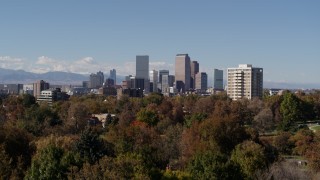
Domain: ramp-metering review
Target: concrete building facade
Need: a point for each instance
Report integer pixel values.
(245, 81)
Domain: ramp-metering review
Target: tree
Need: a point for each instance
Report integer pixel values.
(148, 116)
(283, 143)
(91, 148)
(212, 165)
(263, 121)
(155, 98)
(250, 157)
(290, 110)
(16, 151)
(48, 165)
(28, 100)
(169, 145)
(77, 118)
(303, 139)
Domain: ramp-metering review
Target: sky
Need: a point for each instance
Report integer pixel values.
(281, 36)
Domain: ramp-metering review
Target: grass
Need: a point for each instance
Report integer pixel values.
(315, 128)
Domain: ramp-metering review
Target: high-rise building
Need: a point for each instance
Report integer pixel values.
(154, 80)
(171, 79)
(194, 71)
(109, 83)
(38, 87)
(113, 75)
(167, 82)
(182, 72)
(161, 73)
(201, 81)
(217, 79)
(137, 83)
(96, 80)
(165, 88)
(142, 70)
(245, 81)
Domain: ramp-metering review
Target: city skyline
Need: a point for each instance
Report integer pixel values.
(82, 37)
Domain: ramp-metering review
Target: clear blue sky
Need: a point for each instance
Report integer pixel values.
(282, 36)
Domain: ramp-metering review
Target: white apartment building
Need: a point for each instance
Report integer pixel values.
(245, 81)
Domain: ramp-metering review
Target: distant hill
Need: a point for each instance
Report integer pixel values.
(280, 85)
(9, 76)
(23, 77)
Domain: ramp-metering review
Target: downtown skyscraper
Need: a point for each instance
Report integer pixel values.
(182, 72)
(142, 70)
(113, 76)
(194, 71)
(153, 81)
(217, 79)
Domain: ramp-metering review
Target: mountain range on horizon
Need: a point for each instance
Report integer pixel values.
(9, 76)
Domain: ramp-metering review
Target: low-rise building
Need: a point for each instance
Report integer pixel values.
(50, 96)
(11, 88)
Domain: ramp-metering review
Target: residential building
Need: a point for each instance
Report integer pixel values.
(38, 87)
(49, 96)
(245, 81)
(218, 79)
(182, 72)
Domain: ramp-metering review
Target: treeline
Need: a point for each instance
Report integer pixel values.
(156, 137)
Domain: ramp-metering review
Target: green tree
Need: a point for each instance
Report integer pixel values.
(148, 116)
(48, 165)
(28, 100)
(211, 165)
(290, 110)
(91, 148)
(250, 157)
(16, 151)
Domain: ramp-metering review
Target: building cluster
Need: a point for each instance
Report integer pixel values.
(244, 81)
(187, 78)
